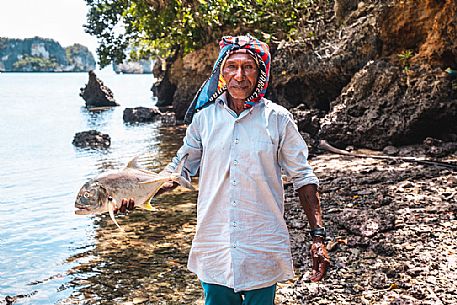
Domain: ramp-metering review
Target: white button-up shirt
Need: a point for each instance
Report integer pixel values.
(241, 239)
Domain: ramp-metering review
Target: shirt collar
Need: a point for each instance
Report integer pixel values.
(221, 100)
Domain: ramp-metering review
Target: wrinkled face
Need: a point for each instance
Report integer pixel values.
(240, 73)
(91, 199)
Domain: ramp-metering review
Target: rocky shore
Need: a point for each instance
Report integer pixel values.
(391, 234)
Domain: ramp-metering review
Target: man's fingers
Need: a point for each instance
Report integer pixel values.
(320, 260)
(131, 204)
(126, 204)
(319, 275)
(315, 259)
(123, 206)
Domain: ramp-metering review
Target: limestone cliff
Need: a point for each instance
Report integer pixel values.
(43, 55)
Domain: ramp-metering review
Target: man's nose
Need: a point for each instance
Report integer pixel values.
(239, 74)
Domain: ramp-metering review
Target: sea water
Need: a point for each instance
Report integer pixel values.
(41, 238)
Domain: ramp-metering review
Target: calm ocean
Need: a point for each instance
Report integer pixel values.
(41, 238)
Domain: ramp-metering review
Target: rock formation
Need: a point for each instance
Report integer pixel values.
(43, 55)
(141, 114)
(92, 139)
(181, 79)
(374, 68)
(385, 105)
(96, 94)
(163, 89)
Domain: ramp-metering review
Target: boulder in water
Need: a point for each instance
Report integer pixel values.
(96, 94)
(168, 119)
(141, 114)
(91, 139)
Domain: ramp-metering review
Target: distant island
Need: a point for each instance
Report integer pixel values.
(143, 66)
(43, 55)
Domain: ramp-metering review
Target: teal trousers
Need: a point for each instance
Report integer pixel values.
(221, 295)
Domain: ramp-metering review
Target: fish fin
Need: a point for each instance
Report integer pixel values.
(157, 179)
(147, 206)
(146, 171)
(133, 163)
(111, 214)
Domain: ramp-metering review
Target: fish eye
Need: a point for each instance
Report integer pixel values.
(86, 195)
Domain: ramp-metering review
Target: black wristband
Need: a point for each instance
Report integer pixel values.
(318, 232)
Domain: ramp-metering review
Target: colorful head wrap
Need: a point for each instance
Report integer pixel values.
(215, 85)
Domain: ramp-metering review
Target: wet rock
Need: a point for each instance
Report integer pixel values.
(141, 115)
(307, 120)
(162, 88)
(390, 150)
(96, 93)
(92, 139)
(188, 74)
(168, 119)
(438, 148)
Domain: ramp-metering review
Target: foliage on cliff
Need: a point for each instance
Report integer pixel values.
(162, 27)
(35, 63)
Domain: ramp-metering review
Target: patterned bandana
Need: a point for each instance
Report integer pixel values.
(215, 85)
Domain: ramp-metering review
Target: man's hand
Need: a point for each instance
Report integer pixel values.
(167, 187)
(320, 259)
(126, 204)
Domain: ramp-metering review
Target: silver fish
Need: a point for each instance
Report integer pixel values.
(105, 192)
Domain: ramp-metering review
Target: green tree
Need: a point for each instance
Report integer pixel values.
(163, 27)
(34, 63)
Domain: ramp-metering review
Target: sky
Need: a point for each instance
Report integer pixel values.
(61, 20)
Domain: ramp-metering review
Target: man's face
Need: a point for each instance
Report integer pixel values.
(240, 73)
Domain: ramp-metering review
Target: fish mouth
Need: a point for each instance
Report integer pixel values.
(82, 210)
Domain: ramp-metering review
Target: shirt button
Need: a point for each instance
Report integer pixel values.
(234, 203)
(234, 245)
(234, 224)
(237, 141)
(233, 182)
(235, 162)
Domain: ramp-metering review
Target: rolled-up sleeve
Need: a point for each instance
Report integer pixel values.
(192, 147)
(293, 156)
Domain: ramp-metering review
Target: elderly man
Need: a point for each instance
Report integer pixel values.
(241, 143)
